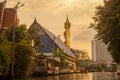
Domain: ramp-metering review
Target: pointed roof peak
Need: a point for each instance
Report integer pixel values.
(67, 17)
(35, 20)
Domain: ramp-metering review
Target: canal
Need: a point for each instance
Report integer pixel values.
(79, 76)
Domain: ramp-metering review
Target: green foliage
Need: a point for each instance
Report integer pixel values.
(4, 55)
(81, 54)
(61, 54)
(23, 57)
(38, 45)
(40, 60)
(21, 33)
(107, 25)
(83, 63)
(57, 52)
(23, 49)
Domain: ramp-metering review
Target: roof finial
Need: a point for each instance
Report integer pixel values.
(5, 1)
(67, 15)
(35, 20)
(67, 18)
(18, 5)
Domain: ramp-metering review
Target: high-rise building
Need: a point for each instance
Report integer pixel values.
(100, 52)
(8, 17)
(67, 25)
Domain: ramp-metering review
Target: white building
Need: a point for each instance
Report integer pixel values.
(100, 52)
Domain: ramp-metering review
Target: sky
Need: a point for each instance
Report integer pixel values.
(52, 15)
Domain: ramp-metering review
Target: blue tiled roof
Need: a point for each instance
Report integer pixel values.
(48, 43)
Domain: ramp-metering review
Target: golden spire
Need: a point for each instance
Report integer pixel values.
(67, 16)
(67, 25)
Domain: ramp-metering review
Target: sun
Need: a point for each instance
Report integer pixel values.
(70, 1)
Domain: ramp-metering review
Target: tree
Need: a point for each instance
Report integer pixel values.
(63, 63)
(83, 55)
(4, 55)
(107, 24)
(35, 35)
(40, 60)
(21, 33)
(23, 49)
(38, 45)
(23, 59)
(60, 53)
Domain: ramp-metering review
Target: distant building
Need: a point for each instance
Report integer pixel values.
(8, 17)
(100, 52)
(50, 41)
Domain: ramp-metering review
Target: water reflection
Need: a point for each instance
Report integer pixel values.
(78, 76)
(104, 76)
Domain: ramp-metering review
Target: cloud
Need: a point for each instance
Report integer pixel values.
(52, 15)
(84, 36)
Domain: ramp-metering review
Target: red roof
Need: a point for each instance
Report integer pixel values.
(9, 17)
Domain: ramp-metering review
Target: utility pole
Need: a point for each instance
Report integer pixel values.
(18, 5)
(53, 54)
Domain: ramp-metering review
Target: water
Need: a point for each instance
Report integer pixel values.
(79, 76)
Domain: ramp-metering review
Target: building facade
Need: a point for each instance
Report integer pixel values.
(100, 52)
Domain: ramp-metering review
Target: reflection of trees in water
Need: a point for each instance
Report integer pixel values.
(104, 76)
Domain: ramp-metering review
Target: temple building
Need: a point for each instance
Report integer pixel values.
(51, 41)
(67, 25)
(8, 17)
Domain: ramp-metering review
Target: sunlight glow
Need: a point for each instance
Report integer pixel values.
(69, 1)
